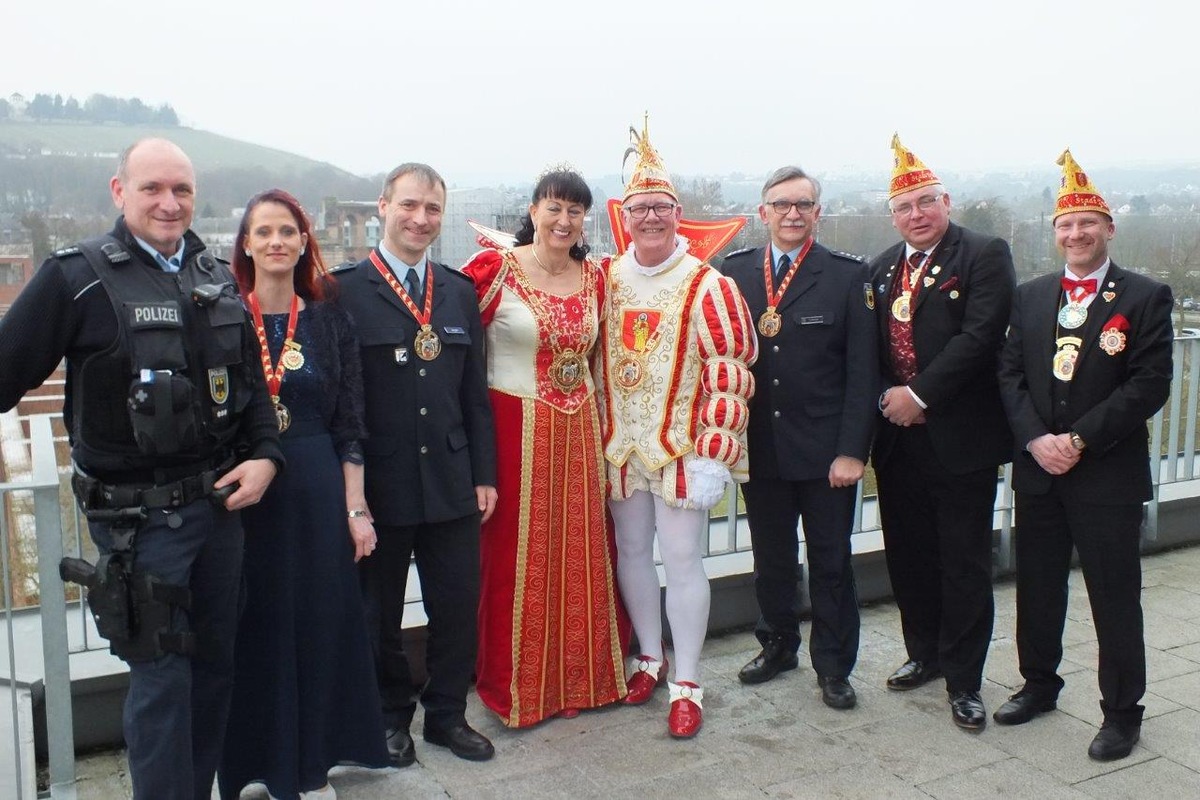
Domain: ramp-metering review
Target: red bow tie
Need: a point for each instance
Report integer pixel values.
(1071, 287)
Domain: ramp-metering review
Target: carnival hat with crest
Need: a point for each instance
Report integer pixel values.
(705, 237)
(908, 171)
(1076, 192)
(649, 173)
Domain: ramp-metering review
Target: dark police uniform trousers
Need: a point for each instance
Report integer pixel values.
(177, 705)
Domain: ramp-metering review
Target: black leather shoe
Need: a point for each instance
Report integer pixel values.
(913, 674)
(1114, 741)
(400, 747)
(463, 740)
(967, 710)
(837, 692)
(1022, 707)
(773, 659)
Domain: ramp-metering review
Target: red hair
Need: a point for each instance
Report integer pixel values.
(310, 276)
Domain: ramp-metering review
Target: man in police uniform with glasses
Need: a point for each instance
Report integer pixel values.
(171, 432)
(943, 300)
(811, 421)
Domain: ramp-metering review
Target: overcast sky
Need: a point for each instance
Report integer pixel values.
(502, 89)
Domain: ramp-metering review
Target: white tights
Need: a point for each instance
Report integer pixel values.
(680, 532)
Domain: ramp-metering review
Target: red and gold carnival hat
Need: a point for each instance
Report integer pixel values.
(649, 173)
(908, 171)
(1076, 192)
(705, 238)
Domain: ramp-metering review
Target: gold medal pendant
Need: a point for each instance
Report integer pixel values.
(428, 345)
(630, 372)
(282, 415)
(770, 322)
(567, 371)
(1064, 359)
(292, 358)
(902, 307)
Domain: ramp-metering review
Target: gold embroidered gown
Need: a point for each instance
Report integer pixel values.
(549, 636)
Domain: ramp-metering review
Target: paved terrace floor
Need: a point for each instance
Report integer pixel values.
(778, 740)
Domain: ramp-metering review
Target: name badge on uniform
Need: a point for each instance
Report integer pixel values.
(400, 354)
(453, 330)
(815, 320)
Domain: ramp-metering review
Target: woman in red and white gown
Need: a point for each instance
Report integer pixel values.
(550, 640)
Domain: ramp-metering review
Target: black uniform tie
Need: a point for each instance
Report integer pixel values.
(412, 284)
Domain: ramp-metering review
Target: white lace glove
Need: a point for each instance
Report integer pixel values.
(706, 481)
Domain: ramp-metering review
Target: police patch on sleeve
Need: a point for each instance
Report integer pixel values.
(869, 296)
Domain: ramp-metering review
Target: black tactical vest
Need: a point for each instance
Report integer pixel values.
(168, 394)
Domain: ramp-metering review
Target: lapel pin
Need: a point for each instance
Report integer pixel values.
(1109, 296)
(954, 294)
(928, 281)
(936, 269)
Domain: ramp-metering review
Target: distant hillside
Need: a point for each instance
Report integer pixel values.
(60, 167)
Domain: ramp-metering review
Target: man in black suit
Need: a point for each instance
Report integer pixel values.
(430, 458)
(944, 297)
(1088, 360)
(809, 433)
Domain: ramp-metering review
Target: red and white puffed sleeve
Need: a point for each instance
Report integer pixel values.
(727, 346)
(485, 268)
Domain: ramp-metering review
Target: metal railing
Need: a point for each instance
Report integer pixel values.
(44, 484)
(1173, 433)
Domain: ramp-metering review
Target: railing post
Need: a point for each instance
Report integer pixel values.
(60, 729)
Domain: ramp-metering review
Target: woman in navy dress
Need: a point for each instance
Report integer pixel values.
(305, 695)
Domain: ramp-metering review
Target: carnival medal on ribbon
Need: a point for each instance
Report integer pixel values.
(426, 343)
(1065, 357)
(770, 323)
(274, 372)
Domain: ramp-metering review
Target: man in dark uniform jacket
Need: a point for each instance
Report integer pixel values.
(1088, 360)
(157, 463)
(809, 433)
(944, 296)
(430, 458)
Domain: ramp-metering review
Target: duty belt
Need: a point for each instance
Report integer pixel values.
(95, 495)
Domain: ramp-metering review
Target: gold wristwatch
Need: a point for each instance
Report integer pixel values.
(1077, 441)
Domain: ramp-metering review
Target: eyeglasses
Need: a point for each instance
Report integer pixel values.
(784, 207)
(661, 210)
(924, 204)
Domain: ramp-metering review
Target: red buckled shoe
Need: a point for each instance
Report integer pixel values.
(686, 716)
(648, 674)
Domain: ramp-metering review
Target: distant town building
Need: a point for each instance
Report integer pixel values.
(15, 272)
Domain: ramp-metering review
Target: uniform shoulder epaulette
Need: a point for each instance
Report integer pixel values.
(741, 252)
(849, 256)
(460, 274)
(344, 266)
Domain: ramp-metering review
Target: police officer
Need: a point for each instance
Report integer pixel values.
(809, 434)
(430, 459)
(171, 432)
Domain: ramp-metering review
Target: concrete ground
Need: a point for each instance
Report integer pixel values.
(778, 740)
